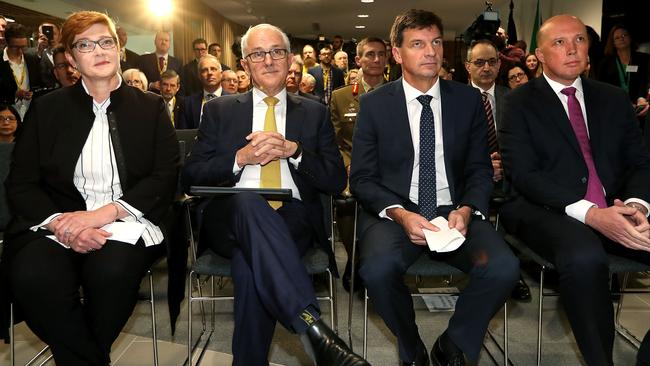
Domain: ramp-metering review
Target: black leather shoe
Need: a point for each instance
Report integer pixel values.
(358, 282)
(445, 353)
(330, 350)
(521, 292)
(421, 357)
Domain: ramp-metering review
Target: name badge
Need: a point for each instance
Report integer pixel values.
(350, 115)
(632, 68)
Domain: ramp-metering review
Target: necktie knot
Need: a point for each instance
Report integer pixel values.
(425, 100)
(484, 97)
(271, 101)
(210, 96)
(569, 91)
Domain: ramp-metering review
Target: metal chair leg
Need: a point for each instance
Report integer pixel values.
(505, 333)
(365, 323)
(11, 335)
(153, 319)
(352, 278)
(539, 316)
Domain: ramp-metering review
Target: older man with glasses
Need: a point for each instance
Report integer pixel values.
(268, 138)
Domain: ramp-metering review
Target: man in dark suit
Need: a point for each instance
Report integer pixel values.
(154, 64)
(190, 75)
(573, 151)
(20, 72)
(294, 77)
(268, 138)
(420, 151)
(215, 50)
(170, 83)
(46, 44)
(328, 78)
(128, 58)
(210, 76)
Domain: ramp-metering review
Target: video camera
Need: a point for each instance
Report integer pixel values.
(484, 27)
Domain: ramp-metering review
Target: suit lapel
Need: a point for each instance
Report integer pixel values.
(400, 118)
(594, 123)
(78, 123)
(242, 118)
(448, 104)
(295, 114)
(554, 113)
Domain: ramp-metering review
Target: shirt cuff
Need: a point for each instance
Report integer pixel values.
(383, 215)
(45, 222)
(578, 210)
(235, 168)
(639, 201)
(130, 209)
(295, 162)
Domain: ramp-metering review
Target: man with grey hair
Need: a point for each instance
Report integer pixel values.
(295, 77)
(307, 84)
(209, 69)
(268, 138)
(341, 61)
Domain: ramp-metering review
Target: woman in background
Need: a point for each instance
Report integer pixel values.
(533, 65)
(135, 78)
(9, 122)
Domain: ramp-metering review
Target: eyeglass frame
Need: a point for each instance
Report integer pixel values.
(284, 52)
(517, 76)
(95, 43)
(479, 62)
(8, 119)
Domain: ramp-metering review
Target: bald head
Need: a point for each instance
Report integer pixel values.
(562, 48)
(554, 22)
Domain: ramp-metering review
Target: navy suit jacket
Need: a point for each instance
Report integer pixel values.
(383, 154)
(227, 121)
(338, 79)
(192, 112)
(542, 155)
(148, 63)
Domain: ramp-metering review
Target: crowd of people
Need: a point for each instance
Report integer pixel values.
(385, 124)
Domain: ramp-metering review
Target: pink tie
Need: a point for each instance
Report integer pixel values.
(595, 192)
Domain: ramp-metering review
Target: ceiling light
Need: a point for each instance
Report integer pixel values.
(363, 15)
(360, 26)
(160, 8)
(367, 1)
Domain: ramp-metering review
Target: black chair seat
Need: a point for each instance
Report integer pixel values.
(209, 263)
(425, 266)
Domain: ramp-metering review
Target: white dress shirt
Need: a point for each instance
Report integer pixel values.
(250, 177)
(492, 98)
(578, 210)
(414, 109)
(20, 69)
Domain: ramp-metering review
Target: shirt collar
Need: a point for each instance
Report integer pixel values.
(119, 83)
(412, 93)
(163, 56)
(216, 93)
(5, 57)
(258, 96)
(490, 90)
(367, 86)
(557, 87)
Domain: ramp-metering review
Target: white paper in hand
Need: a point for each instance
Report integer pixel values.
(445, 240)
(128, 232)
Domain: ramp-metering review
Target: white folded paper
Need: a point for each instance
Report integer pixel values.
(444, 240)
(127, 232)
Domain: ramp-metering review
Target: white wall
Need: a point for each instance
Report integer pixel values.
(590, 11)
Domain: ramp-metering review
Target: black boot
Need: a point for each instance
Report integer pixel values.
(421, 357)
(330, 350)
(446, 353)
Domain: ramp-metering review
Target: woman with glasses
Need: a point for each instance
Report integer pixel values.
(94, 172)
(624, 67)
(514, 75)
(9, 121)
(135, 78)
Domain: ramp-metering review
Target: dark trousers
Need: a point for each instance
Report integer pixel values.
(271, 283)
(45, 279)
(386, 254)
(580, 257)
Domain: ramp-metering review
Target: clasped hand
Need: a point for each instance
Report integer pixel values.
(621, 224)
(80, 230)
(264, 147)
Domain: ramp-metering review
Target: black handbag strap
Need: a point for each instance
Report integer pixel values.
(117, 147)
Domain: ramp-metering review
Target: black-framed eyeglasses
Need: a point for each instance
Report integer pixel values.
(87, 45)
(8, 119)
(259, 56)
(134, 81)
(517, 76)
(479, 62)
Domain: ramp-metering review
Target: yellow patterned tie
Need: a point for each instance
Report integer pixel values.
(270, 175)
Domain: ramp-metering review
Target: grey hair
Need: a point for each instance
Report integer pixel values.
(244, 38)
(208, 57)
(309, 78)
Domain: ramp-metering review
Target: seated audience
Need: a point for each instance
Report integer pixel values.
(9, 122)
(327, 76)
(307, 84)
(341, 61)
(244, 81)
(403, 182)
(352, 77)
(514, 75)
(242, 143)
(170, 84)
(64, 73)
(64, 188)
(135, 78)
(229, 82)
(294, 78)
(574, 153)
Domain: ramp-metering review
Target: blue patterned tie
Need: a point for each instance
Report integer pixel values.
(427, 183)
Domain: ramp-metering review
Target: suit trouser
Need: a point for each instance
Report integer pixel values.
(270, 280)
(45, 280)
(386, 253)
(580, 257)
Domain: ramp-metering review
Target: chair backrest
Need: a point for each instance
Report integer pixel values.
(186, 140)
(5, 162)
